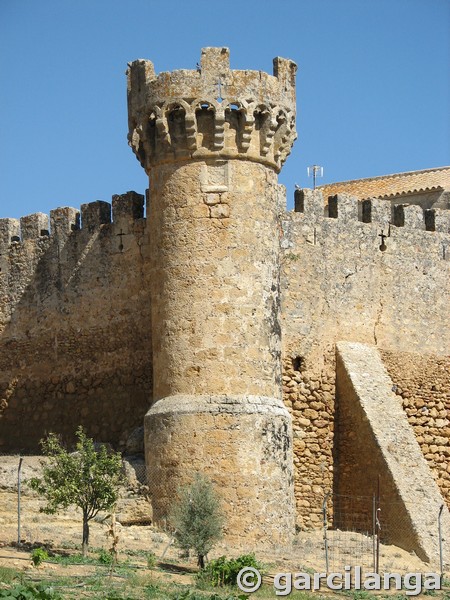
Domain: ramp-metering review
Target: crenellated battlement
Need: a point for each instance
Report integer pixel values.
(365, 270)
(218, 315)
(347, 208)
(213, 111)
(63, 221)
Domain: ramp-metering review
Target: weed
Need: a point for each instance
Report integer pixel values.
(70, 546)
(7, 575)
(152, 590)
(292, 257)
(139, 580)
(224, 571)
(360, 595)
(192, 595)
(115, 595)
(105, 557)
(158, 538)
(38, 556)
(74, 559)
(151, 560)
(30, 592)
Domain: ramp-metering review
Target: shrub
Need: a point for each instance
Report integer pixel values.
(38, 556)
(197, 518)
(105, 557)
(223, 571)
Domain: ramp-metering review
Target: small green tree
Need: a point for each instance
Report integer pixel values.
(87, 478)
(197, 518)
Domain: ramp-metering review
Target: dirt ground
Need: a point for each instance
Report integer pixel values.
(62, 533)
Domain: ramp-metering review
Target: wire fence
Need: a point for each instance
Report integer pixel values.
(355, 528)
(348, 532)
(21, 518)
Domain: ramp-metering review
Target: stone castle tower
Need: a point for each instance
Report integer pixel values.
(212, 142)
(292, 356)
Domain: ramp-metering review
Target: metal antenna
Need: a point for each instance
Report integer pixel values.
(315, 171)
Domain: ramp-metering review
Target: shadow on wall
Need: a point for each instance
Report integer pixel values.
(377, 454)
(75, 324)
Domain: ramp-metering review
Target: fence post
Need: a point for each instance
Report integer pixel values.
(374, 532)
(441, 557)
(19, 472)
(378, 527)
(325, 527)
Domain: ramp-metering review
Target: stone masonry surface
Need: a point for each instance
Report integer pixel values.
(376, 442)
(72, 307)
(212, 142)
(423, 385)
(338, 285)
(219, 311)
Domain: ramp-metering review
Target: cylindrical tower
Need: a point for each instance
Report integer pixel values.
(212, 142)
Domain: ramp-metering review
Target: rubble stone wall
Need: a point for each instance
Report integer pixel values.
(337, 285)
(423, 384)
(75, 318)
(378, 453)
(75, 345)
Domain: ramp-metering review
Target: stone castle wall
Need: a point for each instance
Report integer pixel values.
(75, 343)
(75, 325)
(423, 384)
(186, 319)
(338, 285)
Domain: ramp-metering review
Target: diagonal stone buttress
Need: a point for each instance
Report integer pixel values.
(375, 440)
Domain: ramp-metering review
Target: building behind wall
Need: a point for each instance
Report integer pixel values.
(429, 188)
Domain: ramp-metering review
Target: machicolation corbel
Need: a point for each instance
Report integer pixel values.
(213, 111)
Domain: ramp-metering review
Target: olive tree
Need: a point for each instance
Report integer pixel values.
(197, 518)
(87, 478)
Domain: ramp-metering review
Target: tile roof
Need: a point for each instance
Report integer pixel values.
(388, 186)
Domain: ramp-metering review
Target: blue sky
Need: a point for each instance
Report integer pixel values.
(373, 86)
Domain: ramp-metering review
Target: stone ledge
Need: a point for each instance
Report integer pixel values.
(191, 404)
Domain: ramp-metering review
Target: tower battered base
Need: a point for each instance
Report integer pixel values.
(243, 444)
